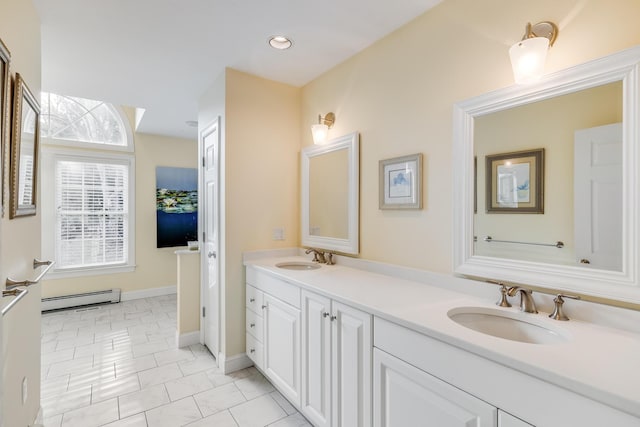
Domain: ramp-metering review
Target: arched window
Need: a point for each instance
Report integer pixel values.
(69, 118)
(87, 194)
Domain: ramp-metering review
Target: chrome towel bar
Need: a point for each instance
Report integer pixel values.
(18, 293)
(10, 284)
(557, 244)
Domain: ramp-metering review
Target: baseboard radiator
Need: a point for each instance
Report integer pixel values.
(77, 300)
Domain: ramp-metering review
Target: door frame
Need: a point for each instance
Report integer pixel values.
(212, 127)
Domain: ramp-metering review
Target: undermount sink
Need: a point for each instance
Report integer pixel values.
(298, 265)
(505, 324)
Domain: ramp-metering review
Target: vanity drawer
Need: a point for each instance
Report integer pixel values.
(254, 325)
(254, 350)
(254, 299)
(278, 288)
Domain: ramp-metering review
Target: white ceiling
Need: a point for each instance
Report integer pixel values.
(161, 55)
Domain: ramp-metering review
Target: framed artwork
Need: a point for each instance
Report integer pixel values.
(5, 116)
(401, 182)
(176, 206)
(25, 139)
(515, 182)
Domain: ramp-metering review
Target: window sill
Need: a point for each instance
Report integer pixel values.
(92, 271)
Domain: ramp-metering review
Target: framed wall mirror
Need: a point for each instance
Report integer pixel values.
(5, 108)
(585, 241)
(24, 150)
(330, 195)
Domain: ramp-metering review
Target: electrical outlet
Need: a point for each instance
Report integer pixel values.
(24, 390)
(278, 233)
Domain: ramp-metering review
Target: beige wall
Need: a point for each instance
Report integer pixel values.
(154, 267)
(20, 238)
(549, 124)
(260, 152)
(399, 94)
(188, 319)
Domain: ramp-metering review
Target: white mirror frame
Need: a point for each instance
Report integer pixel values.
(617, 285)
(350, 245)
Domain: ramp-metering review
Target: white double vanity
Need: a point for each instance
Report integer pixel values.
(349, 347)
(367, 344)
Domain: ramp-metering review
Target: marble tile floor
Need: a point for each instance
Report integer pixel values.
(118, 365)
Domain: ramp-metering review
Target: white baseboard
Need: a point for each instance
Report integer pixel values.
(187, 339)
(233, 363)
(147, 293)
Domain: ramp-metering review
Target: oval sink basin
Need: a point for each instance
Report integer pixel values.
(505, 324)
(298, 265)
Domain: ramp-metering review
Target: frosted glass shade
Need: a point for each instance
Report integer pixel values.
(320, 133)
(528, 58)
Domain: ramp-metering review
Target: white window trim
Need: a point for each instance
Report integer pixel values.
(49, 157)
(128, 147)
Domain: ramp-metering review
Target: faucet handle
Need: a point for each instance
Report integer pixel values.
(503, 302)
(328, 256)
(558, 313)
(503, 297)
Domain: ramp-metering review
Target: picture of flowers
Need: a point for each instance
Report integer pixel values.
(176, 206)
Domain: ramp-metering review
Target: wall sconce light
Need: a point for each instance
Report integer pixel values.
(529, 55)
(320, 131)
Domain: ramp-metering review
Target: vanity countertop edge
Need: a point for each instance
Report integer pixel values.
(607, 370)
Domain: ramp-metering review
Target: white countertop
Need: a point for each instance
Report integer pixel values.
(598, 362)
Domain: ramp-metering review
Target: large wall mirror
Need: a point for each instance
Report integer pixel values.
(24, 150)
(546, 181)
(330, 195)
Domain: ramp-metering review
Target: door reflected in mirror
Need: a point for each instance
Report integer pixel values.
(581, 135)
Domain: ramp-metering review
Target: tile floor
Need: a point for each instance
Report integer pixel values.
(118, 365)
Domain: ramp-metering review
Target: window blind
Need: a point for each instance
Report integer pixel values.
(92, 214)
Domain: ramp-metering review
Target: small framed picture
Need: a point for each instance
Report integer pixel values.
(401, 182)
(515, 182)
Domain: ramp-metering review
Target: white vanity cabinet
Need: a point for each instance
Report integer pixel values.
(278, 326)
(254, 326)
(508, 420)
(407, 396)
(336, 363)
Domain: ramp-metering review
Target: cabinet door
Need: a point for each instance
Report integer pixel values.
(351, 364)
(406, 396)
(282, 346)
(508, 420)
(316, 358)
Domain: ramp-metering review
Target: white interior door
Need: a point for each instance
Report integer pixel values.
(210, 265)
(598, 196)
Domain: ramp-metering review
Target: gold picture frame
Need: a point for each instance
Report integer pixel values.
(515, 182)
(25, 139)
(5, 114)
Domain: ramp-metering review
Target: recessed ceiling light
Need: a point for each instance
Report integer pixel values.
(280, 42)
(192, 123)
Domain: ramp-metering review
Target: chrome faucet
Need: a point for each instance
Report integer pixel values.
(527, 304)
(318, 256)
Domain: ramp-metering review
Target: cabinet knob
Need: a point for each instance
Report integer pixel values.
(252, 325)
(264, 306)
(252, 300)
(333, 318)
(253, 350)
(325, 314)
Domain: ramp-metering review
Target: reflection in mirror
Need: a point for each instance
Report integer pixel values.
(581, 135)
(585, 122)
(24, 151)
(330, 187)
(329, 195)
